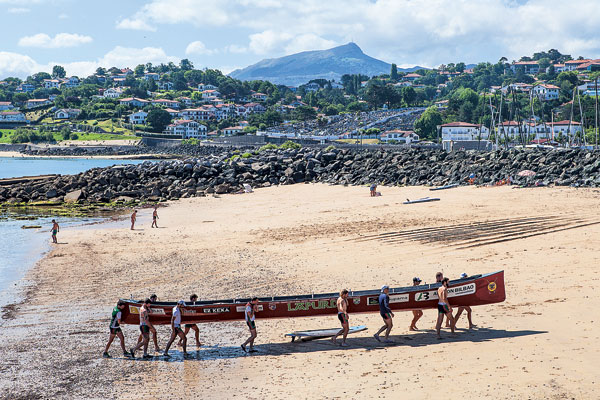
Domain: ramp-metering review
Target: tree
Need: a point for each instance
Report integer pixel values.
(460, 67)
(139, 70)
(408, 94)
(186, 65)
(394, 73)
(426, 125)
(158, 119)
(58, 72)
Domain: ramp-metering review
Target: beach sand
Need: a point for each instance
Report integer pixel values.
(542, 342)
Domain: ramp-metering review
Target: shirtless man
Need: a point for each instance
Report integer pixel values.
(153, 299)
(194, 327)
(145, 325)
(416, 313)
(250, 314)
(154, 217)
(342, 307)
(386, 313)
(438, 278)
(176, 329)
(115, 330)
(444, 307)
(133, 218)
(55, 230)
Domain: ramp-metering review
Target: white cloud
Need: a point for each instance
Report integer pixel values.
(198, 47)
(236, 49)
(14, 64)
(61, 40)
(18, 10)
(135, 24)
(427, 32)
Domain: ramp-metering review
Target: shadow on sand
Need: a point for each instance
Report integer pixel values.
(417, 339)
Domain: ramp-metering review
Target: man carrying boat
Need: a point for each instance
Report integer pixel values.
(250, 314)
(444, 307)
(386, 313)
(342, 307)
(464, 308)
(416, 313)
(194, 327)
(176, 329)
(115, 329)
(153, 299)
(145, 325)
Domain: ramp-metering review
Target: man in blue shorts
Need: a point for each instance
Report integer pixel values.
(386, 313)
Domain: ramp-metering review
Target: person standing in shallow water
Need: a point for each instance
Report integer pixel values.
(55, 230)
(133, 218)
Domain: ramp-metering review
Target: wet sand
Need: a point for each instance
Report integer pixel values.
(543, 342)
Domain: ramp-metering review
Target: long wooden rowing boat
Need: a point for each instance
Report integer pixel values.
(471, 291)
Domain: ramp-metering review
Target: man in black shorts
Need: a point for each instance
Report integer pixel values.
(176, 328)
(153, 299)
(386, 313)
(194, 327)
(250, 316)
(342, 307)
(115, 330)
(145, 326)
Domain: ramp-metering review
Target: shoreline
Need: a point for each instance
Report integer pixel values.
(300, 239)
(148, 156)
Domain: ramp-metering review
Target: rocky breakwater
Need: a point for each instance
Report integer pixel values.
(228, 171)
(183, 150)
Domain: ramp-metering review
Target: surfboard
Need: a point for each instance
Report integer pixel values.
(444, 187)
(322, 333)
(423, 200)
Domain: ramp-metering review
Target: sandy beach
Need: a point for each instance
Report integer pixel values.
(542, 342)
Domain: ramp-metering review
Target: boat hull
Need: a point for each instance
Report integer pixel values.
(472, 291)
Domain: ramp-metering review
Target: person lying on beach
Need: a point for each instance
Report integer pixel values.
(133, 218)
(176, 329)
(444, 307)
(115, 330)
(416, 313)
(194, 327)
(55, 230)
(342, 307)
(145, 325)
(153, 299)
(154, 217)
(250, 314)
(386, 313)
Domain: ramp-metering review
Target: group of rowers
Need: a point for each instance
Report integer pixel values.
(146, 327)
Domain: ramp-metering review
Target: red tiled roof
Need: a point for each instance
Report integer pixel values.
(459, 124)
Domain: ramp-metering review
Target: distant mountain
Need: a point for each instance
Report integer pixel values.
(299, 68)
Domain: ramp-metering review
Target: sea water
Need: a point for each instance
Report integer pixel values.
(21, 248)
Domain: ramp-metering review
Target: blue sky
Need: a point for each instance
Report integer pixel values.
(227, 34)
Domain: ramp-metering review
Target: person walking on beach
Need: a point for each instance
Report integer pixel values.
(55, 230)
(464, 308)
(386, 313)
(194, 327)
(115, 330)
(444, 307)
(145, 325)
(342, 307)
(154, 217)
(133, 218)
(416, 313)
(176, 329)
(250, 314)
(153, 299)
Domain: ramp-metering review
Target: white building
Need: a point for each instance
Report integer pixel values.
(529, 67)
(166, 102)
(187, 129)
(112, 93)
(259, 96)
(210, 94)
(67, 113)
(205, 86)
(232, 130)
(165, 85)
(134, 102)
(565, 128)
(406, 137)
(12, 116)
(70, 82)
(460, 131)
(33, 103)
(138, 118)
(51, 83)
(151, 76)
(311, 87)
(546, 92)
(6, 105)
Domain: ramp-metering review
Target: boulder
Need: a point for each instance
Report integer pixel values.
(74, 196)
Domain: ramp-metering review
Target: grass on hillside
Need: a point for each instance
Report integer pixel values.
(8, 133)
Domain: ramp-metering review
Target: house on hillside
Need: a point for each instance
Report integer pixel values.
(312, 87)
(151, 76)
(529, 67)
(33, 103)
(442, 104)
(12, 116)
(259, 96)
(205, 86)
(165, 86)
(138, 118)
(254, 108)
(166, 102)
(572, 65)
(565, 128)
(186, 101)
(6, 105)
(70, 82)
(187, 129)
(134, 102)
(232, 130)
(412, 77)
(462, 131)
(112, 93)
(25, 88)
(67, 113)
(545, 92)
(593, 65)
(51, 83)
(210, 94)
(406, 137)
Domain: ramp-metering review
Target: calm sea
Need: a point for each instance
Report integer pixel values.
(20, 248)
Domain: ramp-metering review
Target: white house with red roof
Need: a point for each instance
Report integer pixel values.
(397, 135)
(186, 101)
(529, 67)
(166, 102)
(412, 77)
(187, 129)
(151, 76)
(545, 92)
(205, 86)
(51, 83)
(259, 96)
(12, 116)
(6, 105)
(232, 130)
(458, 131)
(67, 113)
(197, 114)
(134, 102)
(572, 65)
(565, 127)
(33, 103)
(138, 118)
(254, 108)
(210, 94)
